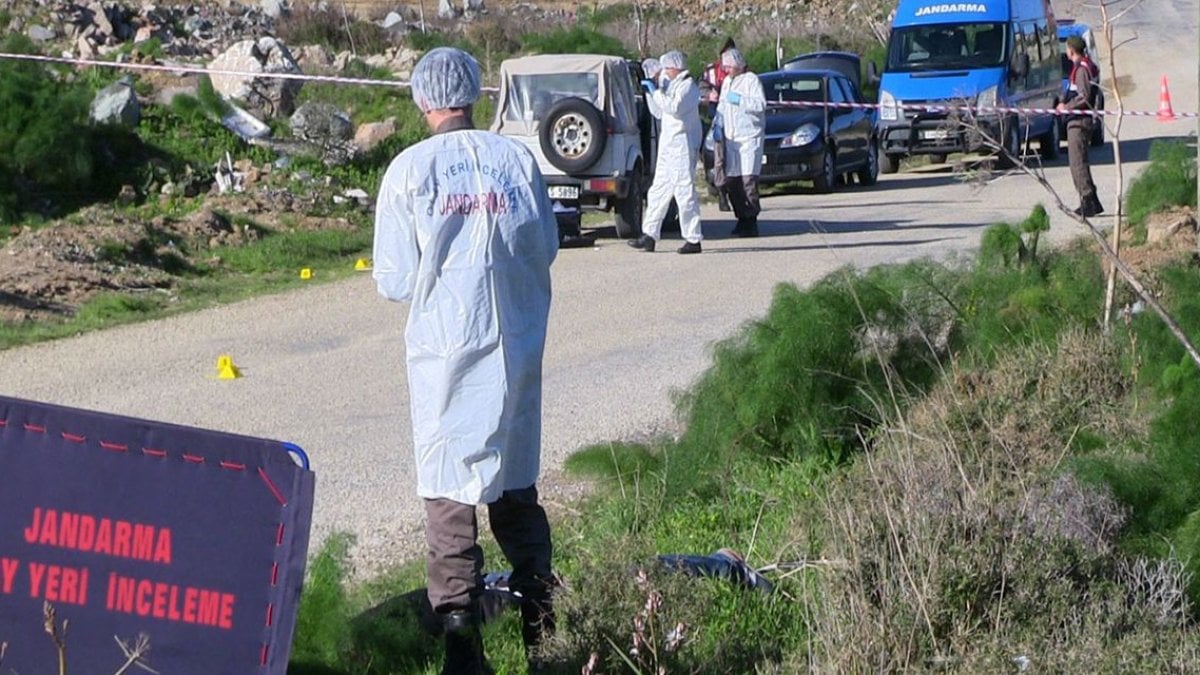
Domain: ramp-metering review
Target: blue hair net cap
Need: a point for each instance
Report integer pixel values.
(673, 59)
(733, 58)
(445, 78)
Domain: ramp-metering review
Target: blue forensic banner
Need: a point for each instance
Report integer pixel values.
(194, 539)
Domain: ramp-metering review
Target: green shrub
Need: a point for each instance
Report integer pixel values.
(39, 113)
(323, 630)
(573, 40)
(1159, 481)
(1169, 180)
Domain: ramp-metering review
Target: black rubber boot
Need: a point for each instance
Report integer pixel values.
(464, 644)
(537, 624)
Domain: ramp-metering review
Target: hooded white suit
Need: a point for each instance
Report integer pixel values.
(678, 106)
(464, 229)
(743, 124)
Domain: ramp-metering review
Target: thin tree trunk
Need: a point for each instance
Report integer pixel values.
(1118, 224)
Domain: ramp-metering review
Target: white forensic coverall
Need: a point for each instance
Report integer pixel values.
(465, 230)
(743, 124)
(680, 135)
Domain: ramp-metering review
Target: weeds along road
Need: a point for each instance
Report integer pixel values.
(324, 366)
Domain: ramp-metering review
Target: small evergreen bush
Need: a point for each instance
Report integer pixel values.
(40, 113)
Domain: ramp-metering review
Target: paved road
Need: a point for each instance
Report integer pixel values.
(324, 365)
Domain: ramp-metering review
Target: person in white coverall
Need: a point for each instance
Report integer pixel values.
(465, 232)
(678, 106)
(740, 125)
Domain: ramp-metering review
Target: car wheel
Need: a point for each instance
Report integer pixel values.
(824, 182)
(869, 174)
(1010, 132)
(572, 135)
(1051, 142)
(888, 163)
(937, 159)
(628, 212)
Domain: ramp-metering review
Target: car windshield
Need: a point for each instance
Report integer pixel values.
(797, 89)
(531, 96)
(947, 46)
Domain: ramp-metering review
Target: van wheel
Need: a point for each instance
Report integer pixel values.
(888, 163)
(628, 212)
(1010, 133)
(1050, 142)
(572, 135)
(937, 159)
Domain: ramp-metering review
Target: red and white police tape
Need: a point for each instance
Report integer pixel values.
(912, 107)
(972, 109)
(200, 70)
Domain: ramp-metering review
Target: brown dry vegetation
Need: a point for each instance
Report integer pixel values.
(971, 546)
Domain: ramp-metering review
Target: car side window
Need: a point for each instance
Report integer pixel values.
(624, 110)
(836, 93)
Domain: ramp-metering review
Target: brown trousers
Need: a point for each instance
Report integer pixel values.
(1079, 139)
(454, 564)
(743, 197)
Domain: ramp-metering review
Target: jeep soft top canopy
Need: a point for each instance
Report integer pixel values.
(606, 69)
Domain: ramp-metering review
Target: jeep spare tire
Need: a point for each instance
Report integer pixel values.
(573, 135)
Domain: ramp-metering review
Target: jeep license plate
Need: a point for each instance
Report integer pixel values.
(564, 191)
(936, 134)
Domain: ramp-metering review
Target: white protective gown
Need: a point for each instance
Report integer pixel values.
(465, 230)
(743, 123)
(680, 135)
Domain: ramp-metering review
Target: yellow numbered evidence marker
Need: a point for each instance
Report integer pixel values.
(225, 368)
(306, 274)
(361, 264)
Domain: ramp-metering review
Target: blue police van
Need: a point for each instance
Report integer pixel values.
(987, 53)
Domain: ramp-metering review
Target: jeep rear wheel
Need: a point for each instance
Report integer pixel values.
(629, 210)
(573, 135)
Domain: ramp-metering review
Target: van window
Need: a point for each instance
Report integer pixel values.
(946, 46)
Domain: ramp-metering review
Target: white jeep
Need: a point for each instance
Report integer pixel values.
(585, 119)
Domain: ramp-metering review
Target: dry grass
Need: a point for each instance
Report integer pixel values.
(971, 544)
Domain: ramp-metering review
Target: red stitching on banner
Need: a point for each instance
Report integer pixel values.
(35, 428)
(194, 459)
(73, 438)
(270, 614)
(3, 423)
(271, 486)
(151, 452)
(279, 536)
(263, 660)
(233, 465)
(115, 447)
(275, 574)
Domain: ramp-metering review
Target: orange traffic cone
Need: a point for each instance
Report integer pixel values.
(1165, 113)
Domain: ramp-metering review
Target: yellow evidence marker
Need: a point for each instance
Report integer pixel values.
(306, 274)
(225, 368)
(361, 264)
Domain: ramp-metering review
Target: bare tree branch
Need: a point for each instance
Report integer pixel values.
(135, 654)
(57, 635)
